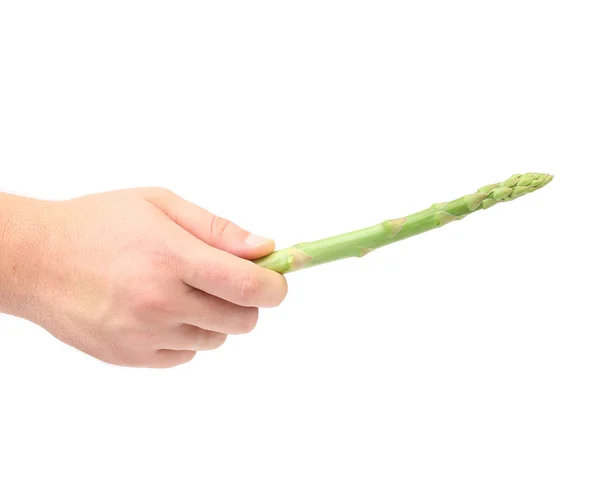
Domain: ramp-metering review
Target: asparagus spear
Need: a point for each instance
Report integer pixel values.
(359, 243)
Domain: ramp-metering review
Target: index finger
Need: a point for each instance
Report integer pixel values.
(228, 277)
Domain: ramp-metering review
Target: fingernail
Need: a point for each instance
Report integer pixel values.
(255, 240)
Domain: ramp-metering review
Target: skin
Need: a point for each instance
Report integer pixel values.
(137, 278)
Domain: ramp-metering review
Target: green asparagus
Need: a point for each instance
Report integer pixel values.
(359, 243)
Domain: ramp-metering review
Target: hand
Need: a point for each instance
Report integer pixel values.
(136, 277)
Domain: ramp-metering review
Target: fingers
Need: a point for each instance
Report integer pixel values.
(187, 337)
(166, 358)
(210, 266)
(213, 230)
(181, 345)
(228, 277)
(214, 314)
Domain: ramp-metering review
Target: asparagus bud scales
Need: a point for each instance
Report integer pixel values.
(359, 243)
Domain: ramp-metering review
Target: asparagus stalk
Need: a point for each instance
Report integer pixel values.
(359, 243)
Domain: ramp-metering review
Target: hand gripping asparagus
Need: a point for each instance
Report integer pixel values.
(359, 243)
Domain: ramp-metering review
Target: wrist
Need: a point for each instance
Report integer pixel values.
(21, 245)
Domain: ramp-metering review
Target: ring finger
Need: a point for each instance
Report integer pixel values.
(191, 338)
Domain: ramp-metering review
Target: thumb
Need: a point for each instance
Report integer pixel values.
(211, 229)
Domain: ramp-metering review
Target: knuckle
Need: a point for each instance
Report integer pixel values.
(148, 300)
(247, 286)
(191, 271)
(154, 193)
(129, 342)
(198, 338)
(162, 254)
(247, 323)
(281, 293)
(187, 357)
(218, 226)
(163, 192)
(219, 341)
(138, 336)
(182, 358)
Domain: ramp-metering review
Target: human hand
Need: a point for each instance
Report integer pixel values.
(138, 277)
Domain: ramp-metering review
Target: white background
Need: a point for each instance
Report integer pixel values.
(468, 354)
